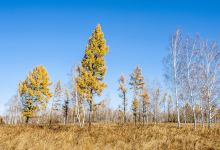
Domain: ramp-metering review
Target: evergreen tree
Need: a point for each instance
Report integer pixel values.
(135, 106)
(66, 106)
(93, 68)
(145, 104)
(137, 84)
(35, 92)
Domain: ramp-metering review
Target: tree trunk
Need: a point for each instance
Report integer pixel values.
(124, 108)
(202, 117)
(178, 111)
(194, 116)
(185, 116)
(27, 120)
(90, 114)
(209, 115)
(135, 119)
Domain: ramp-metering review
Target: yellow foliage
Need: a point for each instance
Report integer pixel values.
(93, 66)
(135, 105)
(35, 91)
(145, 97)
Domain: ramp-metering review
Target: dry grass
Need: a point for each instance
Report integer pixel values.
(107, 137)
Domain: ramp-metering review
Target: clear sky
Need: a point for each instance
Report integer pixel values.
(55, 32)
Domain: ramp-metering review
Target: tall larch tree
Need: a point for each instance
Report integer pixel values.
(137, 84)
(145, 105)
(123, 94)
(135, 107)
(93, 68)
(35, 92)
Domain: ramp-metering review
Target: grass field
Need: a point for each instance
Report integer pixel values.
(152, 137)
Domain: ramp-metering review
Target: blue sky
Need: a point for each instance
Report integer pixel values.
(54, 33)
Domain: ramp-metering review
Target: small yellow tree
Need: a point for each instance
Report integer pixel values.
(93, 68)
(145, 104)
(35, 92)
(135, 107)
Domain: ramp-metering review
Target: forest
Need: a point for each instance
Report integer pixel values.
(182, 114)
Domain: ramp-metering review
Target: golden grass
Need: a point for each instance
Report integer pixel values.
(106, 137)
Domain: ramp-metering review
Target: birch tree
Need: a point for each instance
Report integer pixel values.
(155, 98)
(14, 110)
(163, 101)
(172, 68)
(190, 71)
(79, 109)
(210, 63)
(56, 101)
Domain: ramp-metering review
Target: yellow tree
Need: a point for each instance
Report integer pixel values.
(135, 106)
(145, 104)
(93, 68)
(137, 84)
(35, 92)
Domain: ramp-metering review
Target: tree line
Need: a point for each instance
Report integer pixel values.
(191, 95)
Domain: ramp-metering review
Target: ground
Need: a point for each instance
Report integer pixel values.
(109, 136)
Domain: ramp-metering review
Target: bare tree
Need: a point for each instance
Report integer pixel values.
(155, 98)
(163, 102)
(210, 63)
(173, 67)
(190, 69)
(56, 102)
(169, 108)
(14, 111)
(79, 109)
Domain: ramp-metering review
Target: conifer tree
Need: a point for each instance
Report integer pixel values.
(135, 106)
(66, 106)
(93, 68)
(137, 84)
(123, 91)
(35, 92)
(145, 104)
